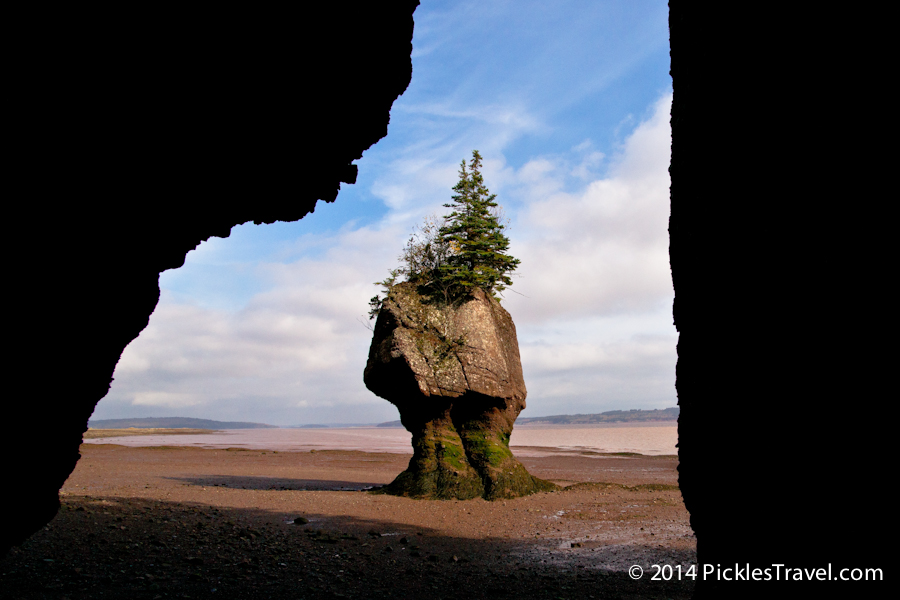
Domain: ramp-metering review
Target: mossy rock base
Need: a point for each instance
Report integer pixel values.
(513, 481)
(476, 463)
(436, 485)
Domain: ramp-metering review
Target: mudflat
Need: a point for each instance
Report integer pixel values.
(173, 522)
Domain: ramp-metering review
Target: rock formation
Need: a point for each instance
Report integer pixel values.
(454, 373)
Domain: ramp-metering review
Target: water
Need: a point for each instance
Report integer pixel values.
(641, 438)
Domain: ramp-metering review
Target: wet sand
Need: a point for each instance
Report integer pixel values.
(171, 522)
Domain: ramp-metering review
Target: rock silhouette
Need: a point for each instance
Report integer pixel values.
(453, 371)
(264, 109)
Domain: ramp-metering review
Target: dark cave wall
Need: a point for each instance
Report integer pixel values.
(146, 132)
(777, 263)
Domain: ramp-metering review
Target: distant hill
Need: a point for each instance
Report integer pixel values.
(330, 425)
(610, 416)
(173, 423)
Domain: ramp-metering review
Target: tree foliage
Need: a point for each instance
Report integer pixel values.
(450, 257)
(474, 230)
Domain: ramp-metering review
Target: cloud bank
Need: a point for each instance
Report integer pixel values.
(591, 300)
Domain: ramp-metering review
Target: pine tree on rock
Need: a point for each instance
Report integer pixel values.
(475, 234)
(448, 258)
(446, 354)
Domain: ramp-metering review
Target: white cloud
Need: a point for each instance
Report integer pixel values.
(595, 328)
(589, 164)
(601, 375)
(592, 299)
(297, 347)
(167, 399)
(510, 116)
(602, 249)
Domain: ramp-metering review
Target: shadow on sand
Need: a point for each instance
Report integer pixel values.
(242, 482)
(145, 549)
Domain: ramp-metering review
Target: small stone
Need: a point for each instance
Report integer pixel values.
(301, 521)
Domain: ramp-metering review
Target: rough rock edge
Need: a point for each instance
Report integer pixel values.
(458, 385)
(169, 154)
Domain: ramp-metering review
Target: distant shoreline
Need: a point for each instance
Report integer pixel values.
(629, 417)
(610, 416)
(642, 438)
(547, 425)
(174, 423)
(95, 433)
(185, 425)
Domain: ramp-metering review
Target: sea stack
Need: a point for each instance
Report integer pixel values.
(453, 371)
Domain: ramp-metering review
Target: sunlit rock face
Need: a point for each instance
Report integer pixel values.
(454, 373)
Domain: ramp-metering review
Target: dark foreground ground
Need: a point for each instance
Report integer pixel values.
(186, 523)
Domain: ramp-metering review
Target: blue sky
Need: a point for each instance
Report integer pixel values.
(570, 110)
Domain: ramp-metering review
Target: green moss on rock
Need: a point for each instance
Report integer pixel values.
(502, 475)
(454, 373)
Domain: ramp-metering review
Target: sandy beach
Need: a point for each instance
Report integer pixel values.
(180, 522)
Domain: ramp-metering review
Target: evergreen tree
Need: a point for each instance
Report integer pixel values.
(475, 234)
(468, 251)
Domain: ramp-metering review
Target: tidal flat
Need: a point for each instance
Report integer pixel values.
(173, 522)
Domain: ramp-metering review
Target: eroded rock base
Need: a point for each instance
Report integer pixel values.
(458, 458)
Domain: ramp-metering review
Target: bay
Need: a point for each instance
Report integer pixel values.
(655, 438)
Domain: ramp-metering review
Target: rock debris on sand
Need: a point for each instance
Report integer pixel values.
(161, 523)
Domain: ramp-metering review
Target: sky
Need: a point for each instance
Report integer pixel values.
(570, 111)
